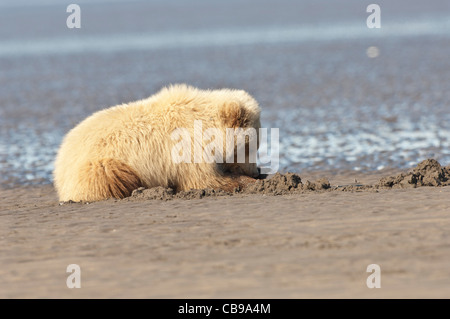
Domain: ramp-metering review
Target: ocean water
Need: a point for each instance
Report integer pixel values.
(343, 96)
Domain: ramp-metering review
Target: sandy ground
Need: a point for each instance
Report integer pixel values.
(309, 245)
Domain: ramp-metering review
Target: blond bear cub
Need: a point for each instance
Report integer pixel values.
(124, 147)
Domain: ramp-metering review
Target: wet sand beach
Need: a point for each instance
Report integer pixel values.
(311, 244)
(291, 246)
(353, 105)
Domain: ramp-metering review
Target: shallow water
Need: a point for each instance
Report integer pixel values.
(337, 109)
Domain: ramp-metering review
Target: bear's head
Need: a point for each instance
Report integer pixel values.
(240, 115)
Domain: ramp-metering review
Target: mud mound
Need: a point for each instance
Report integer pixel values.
(162, 193)
(281, 184)
(200, 193)
(320, 184)
(278, 184)
(426, 173)
(153, 193)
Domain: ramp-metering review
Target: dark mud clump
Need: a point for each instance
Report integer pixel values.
(201, 193)
(278, 184)
(426, 173)
(320, 184)
(282, 184)
(161, 193)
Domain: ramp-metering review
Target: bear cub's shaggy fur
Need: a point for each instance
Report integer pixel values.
(124, 147)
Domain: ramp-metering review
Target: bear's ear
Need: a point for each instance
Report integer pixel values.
(234, 115)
